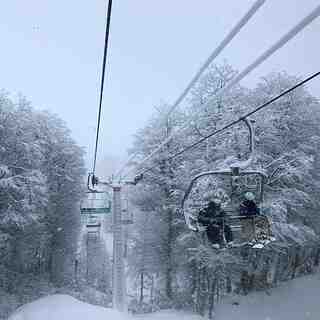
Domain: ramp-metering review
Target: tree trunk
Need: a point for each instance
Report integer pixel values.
(194, 271)
(317, 258)
(211, 298)
(169, 270)
(201, 292)
(167, 171)
(141, 288)
(152, 291)
(229, 285)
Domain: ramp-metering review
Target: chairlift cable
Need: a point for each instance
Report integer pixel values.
(230, 36)
(231, 124)
(269, 52)
(102, 81)
(236, 29)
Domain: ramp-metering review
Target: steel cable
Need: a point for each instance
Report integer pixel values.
(102, 82)
(231, 124)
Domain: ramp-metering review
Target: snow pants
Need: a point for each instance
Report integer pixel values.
(214, 233)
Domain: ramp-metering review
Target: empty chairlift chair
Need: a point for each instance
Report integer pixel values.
(96, 203)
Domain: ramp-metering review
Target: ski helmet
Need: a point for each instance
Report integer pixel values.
(249, 196)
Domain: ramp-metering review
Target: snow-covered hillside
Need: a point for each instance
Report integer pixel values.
(295, 300)
(64, 307)
(298, 299)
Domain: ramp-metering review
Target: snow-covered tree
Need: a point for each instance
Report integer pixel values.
(41, 171)
(287, 144)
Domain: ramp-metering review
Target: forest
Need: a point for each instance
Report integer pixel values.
(41, 183)
(171, 265)
(42, 180)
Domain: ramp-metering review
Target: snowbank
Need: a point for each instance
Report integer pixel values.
(64, 307)
(298, 299)
(168, 315)
(295, 300)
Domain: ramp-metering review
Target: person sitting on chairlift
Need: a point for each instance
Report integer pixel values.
(212, 216)
(248, 207)
(248, 210)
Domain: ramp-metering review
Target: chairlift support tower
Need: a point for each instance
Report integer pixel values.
(118, 281)
(118, 268)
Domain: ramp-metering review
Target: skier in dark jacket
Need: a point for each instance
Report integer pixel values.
(212, 216)
(248, 210)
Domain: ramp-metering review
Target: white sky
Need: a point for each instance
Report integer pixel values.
(51, 51)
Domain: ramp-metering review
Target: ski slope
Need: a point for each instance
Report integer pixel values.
(298, 299)
(295, 300)
(64, 307)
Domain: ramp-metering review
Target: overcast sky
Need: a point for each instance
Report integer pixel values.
(51, 51)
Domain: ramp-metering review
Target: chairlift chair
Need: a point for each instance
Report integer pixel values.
(93, 226)
(93, 222)
(236, 184)
(97, 202)
(237, 180)
(127, 214)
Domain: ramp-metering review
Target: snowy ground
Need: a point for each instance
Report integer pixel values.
(64, 307)
(295, 300)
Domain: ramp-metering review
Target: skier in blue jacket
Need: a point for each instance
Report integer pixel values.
(248, 210)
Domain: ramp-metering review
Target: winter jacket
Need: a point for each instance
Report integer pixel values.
(212, 217)
(248, 208)
(212, 213)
